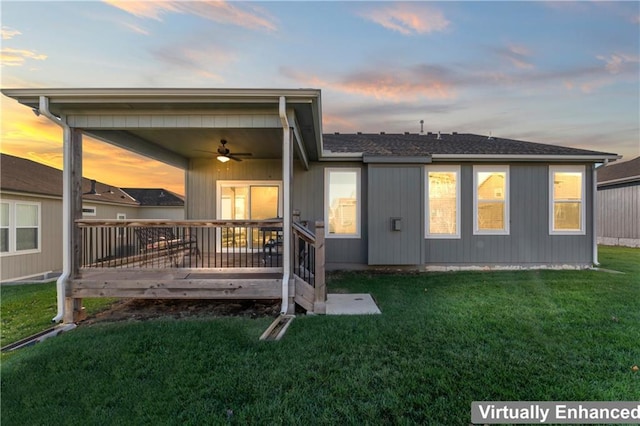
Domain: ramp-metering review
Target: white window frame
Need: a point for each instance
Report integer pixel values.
(567, 169)
(327, 173)
(248, 183)
(91, 210)
(13, 228)
(442, 169)
(499, 169)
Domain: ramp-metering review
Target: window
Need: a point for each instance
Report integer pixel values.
(88, 211)
(491, 200)
(342, 202)
(566, 204)
(121, 230)
(4, 227)
(19, 227)
(247, 200)
(443, 202)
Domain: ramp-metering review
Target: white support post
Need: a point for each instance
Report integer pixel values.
(594, 212)
(287, 168)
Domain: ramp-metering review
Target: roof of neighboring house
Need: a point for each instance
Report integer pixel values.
(435, 144)
(627, 171)
(22, 175)
(149, 197)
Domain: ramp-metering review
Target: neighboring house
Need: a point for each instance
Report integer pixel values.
(157, 203)
(31, 215)
(619, 204)
(426, 201)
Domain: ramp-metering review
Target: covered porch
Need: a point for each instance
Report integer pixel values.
(240, 239)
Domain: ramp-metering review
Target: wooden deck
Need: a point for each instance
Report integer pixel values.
(222, 283)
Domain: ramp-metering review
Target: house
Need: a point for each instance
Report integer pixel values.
(31, 215)
(618, 204)
(271, 201)
(157, 203)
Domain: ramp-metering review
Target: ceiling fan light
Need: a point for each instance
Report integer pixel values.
(223, 158)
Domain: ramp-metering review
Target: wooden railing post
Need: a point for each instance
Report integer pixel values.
(319, 305)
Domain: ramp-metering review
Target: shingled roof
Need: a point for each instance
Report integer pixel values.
(22, 175)
(149, 197)
(628, 171)
(425, 144)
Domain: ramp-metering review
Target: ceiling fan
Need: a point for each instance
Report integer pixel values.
(224, 154)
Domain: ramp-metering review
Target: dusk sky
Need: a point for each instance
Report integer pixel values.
(564, 73)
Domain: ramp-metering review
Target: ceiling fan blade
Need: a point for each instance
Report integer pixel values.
(231, 156)
(242, 153)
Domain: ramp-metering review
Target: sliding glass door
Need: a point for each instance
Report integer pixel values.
(247, 200)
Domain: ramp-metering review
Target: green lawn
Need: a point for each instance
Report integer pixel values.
(27, 309)
(443, 341)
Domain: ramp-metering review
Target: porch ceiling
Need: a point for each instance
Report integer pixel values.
(189, 143)
(176, 143)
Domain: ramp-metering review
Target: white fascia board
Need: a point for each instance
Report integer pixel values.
(158, 95)
(341, 156)
(4, 192)
(521, 157)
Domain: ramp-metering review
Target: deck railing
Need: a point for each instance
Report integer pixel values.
(181, 244)
(308, 266)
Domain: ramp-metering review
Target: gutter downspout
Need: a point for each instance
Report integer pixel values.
(595, 209)
(286, 225)
(66, 232)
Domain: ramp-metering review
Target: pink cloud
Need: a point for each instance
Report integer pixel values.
(240, 14)
(392, 85)
(616, 62)
(408, 18)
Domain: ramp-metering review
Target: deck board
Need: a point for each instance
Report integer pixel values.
(177, 284)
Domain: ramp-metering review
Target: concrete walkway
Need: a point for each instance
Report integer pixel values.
(351, 304)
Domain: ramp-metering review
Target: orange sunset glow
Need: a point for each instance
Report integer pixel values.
(567, 76)
(38, 139)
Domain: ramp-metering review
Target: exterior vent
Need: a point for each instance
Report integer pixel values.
(382, 133)
(359, 133)
(336, 133)
(429, 133)
(406, 133)
(454, 133)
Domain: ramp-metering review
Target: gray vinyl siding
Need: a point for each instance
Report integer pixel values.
(50, 256)
(619, 212)
(389, 191)
(203, 175)
(529, 241)
(395, 193)
(307, 196)
(110, 212)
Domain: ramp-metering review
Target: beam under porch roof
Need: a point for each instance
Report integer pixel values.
(129, 142)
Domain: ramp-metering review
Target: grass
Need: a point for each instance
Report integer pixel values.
(443, 341)
(27, 309)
